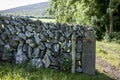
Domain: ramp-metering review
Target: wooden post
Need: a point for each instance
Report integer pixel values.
(73, 52)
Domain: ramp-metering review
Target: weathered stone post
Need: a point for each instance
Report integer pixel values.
(88, 54)
(73, 50)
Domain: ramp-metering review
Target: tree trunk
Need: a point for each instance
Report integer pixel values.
(111, 23)
(107, 29)
(112, 8)
(111, 18)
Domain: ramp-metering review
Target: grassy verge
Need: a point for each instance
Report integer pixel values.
(45, 20)
(48, 20)
(109, 52)
(14, 72)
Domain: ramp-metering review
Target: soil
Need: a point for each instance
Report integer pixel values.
(108, 68)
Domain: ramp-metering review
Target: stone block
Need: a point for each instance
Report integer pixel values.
(88, 54)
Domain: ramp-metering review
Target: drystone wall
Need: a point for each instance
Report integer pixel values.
(46, 44)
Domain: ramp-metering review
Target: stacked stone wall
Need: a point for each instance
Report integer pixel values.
(42, 44)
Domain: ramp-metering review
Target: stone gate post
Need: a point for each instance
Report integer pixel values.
(88, 54)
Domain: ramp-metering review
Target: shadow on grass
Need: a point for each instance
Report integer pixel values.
(21, 72)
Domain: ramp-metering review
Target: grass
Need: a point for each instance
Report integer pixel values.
(19, 72)
(45, 20)
(48, 20)
(111, 45)
(109, 52)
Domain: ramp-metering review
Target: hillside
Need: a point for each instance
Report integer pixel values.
(37, 10)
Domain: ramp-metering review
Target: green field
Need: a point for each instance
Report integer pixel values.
(45, 20)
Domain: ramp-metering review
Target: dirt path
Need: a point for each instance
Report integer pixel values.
(109, 49)
(107, 68)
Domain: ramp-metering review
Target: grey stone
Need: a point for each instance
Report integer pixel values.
(58, 24)
(48, 45)
(57, 35)
(32, 45)
(66, 55)
(23, 28)
(64, 44)
(22, 35)
(42, 46)
(46, 61)
(7, 31)
(50, 33)
(42, 53)
(46, 35)
(7, 48)
(78, 56)
(1, 30)
(67, 34)
(62, 39)
(54, 61)
(55, 41)
(31, 42)
(79, 69)
(38, 29)
(88, 53)
(1, 48)
(18, 29)
(11, 29)
(30, 52)
(20, 56)
(52, 27)
(79, 33)
(36, 53)
(45, 25)
(4, 36)
(1, 42)
(28, 34)
(37, 63)
(7, 21)
(42, 37)
(37, 39)
(56, 47)
(13, 43)
(16, 38)
(15, 22)
(75, 28)
(29, 28)
(25, 48)
(69, 45)
(60, 31)
(4, 57)
(28, 41)
(48, 52)
(79, 46)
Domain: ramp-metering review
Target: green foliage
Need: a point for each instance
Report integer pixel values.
(67, 64)
(115, 36)
(88, 12)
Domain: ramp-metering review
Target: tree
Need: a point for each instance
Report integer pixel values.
(97, 13)
(113, 5)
